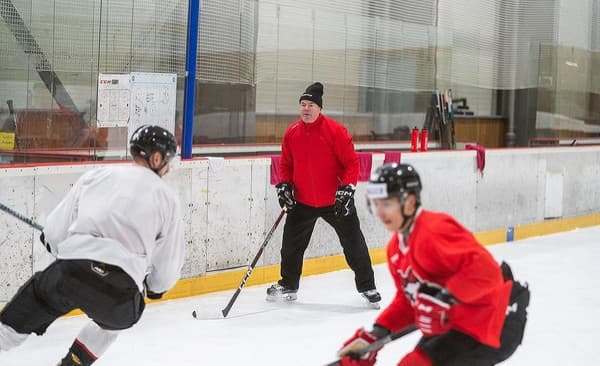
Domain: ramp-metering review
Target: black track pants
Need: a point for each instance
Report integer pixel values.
(298, 229)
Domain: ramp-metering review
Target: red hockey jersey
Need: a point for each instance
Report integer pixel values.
(317, 157)
(442, 252)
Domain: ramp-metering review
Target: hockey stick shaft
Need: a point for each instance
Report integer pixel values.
(17, 215)
(379, 343)
(227, 308)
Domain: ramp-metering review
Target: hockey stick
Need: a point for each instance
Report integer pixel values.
(26, 220)
(378, 344)
(227, 308)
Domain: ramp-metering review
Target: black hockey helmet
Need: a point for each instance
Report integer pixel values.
(393, 180)
(148, 139)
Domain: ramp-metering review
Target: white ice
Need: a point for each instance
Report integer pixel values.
(563, 271)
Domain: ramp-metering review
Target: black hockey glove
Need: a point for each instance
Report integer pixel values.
(285, 195)
(344, 200)
(152, 295)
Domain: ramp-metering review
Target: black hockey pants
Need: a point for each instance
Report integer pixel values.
(458, 349)
(105, 293)
(298, 229)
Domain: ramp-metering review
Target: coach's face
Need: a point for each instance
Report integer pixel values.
(309, 111)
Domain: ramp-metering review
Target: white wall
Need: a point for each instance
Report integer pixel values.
(229, 204)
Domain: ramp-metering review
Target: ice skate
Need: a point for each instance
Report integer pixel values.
(373, 297)
(70, 360)
(278, 292)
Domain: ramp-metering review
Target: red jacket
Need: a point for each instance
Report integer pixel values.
(443, 252)
(316, 158)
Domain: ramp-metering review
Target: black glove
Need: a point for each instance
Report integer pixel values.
(46, 244)
(152, 295)
(285, 195)
(344, 200)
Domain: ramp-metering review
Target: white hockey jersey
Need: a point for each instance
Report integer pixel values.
(122, 215)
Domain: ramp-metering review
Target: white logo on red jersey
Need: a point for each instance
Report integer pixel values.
(410, 283)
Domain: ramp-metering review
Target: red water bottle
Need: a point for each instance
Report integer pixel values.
(414, 139)
(424, 139)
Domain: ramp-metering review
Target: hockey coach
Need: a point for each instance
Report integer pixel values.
(318, 174)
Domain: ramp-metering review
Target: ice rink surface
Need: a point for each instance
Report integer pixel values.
(563, 272)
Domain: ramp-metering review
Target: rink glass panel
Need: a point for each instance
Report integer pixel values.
(379, 60)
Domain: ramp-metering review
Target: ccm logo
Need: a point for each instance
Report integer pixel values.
(112, 81)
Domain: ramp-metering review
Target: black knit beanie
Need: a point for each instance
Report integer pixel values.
(314, 93)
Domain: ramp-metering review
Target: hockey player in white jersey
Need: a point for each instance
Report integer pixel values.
(116, 236)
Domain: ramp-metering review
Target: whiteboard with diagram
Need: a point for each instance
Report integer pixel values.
(114, 96)
(153, 97)
(135, 99)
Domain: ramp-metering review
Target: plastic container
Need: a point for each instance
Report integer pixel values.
(424, 139)
(414, 139)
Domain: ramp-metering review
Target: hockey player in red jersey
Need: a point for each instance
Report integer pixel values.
(468, 308)
(116, 236)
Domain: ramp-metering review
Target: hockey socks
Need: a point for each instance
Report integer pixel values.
(91, 343)
(9, 337)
